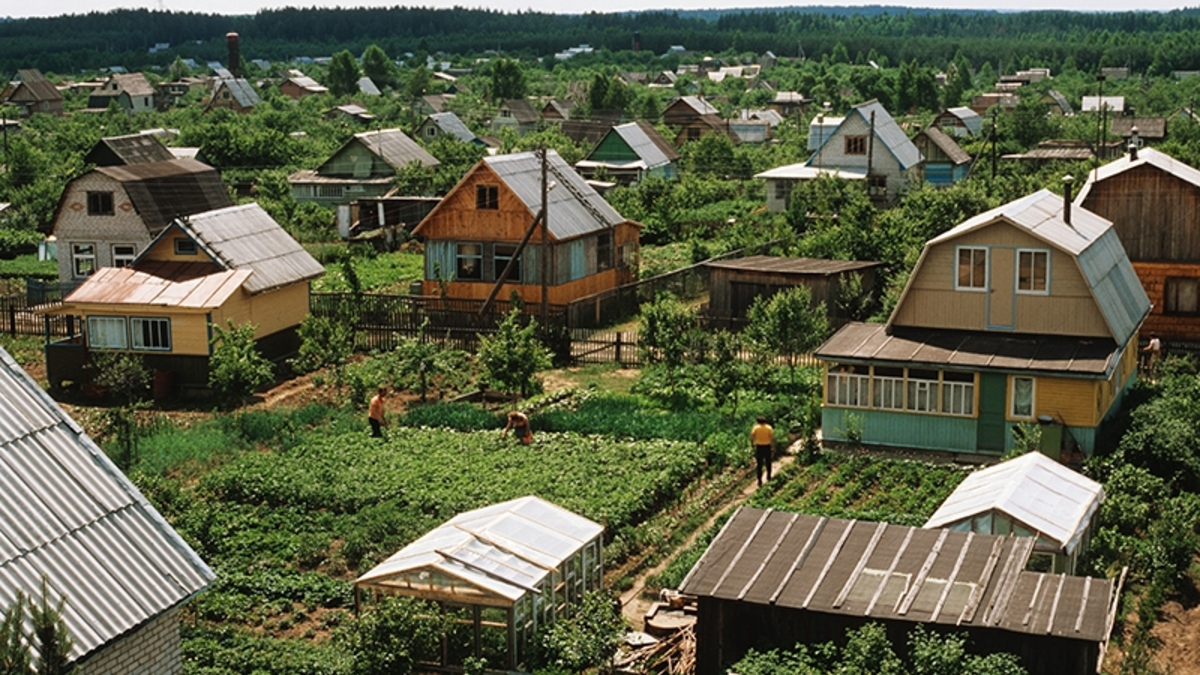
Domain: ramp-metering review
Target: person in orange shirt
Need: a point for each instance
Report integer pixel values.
(519, 423)
(375, 414)
(762, 437)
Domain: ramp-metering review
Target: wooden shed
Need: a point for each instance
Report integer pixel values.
(506, 570)
(1028, 496)
(734, 285)
(773, 580)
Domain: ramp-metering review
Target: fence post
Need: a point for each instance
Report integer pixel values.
(619, 334)
(12, 319)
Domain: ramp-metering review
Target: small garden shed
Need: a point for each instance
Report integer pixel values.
(504, 570)
(772, 579)
(1028, 496)
(734, 285)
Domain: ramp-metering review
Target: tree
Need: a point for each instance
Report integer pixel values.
(126, 376)
(14, 644)
(513, 355)
(418, 358)
(508, 82)
(236, 368)
(726, 370)
(598, 92)
(343, 74)
(392, 636)
(377, 66)
(588, 639)
(51, 639)
(787, 324)
(324, 342)
(666, 334)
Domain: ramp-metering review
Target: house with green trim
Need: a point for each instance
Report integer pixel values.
(628, 153)
(1025, 314)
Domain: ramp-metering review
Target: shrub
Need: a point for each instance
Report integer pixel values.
(236, 368)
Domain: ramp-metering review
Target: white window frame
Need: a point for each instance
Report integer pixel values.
(958, 251)
(1012, 393)
(1033, 252)
(921, 394)
(122, 259)
(888, 392)
(78, 256)
(136, 333)
(958, 397)
(850, 390)
(94, 331)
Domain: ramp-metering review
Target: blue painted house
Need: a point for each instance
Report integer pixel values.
(945, 162)
(1028, 313)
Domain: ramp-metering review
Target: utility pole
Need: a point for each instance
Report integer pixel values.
(544, 253)
(994, 139)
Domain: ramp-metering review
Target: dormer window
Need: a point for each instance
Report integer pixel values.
(972, 269)
(1033, 268)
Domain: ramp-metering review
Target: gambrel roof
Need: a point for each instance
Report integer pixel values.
(1046, 497)
(969, 118)
(70, 515)
(1089, 239)
(499, 552)
(161, 191)
(130, 149)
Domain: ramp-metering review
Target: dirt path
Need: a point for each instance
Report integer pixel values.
(633, 605)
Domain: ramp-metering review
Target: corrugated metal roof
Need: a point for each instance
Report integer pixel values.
(893, 137)
(367, 86)
(499, 551)
(895, 573)
(70, 514)
(776, 264)
(972, 350)
(1043, 495)
(394, 147)
(170, 284)
(574, 207)
(970, 119)
(239, 89)
(247, 238)
(521, 110)
(1145, 157)
(1093, 242)
(806, 172)
(450, 123)
(163, 191)
(639, 136)
(699, 105)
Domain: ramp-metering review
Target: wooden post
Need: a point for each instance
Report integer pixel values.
(618, 345)
(12, 319)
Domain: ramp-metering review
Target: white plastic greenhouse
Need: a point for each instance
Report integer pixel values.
(505, 570)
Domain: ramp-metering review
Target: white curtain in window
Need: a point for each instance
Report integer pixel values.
(107, 332)
(1023, 397)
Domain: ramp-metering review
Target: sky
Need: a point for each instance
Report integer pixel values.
(17, 8)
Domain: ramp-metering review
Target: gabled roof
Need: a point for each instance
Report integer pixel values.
(392, 146)
(1111, 103)
(886, 130)
(699, 105)
(239, 89)
(162, 191)
(71, 515)
(521, 110)
(247, 238)
(1034, 490)
(307, 83)
(367, 86)
(970, 119)
(895, 573)
(1145, 157)
(1090, 239)
(1061, 101)
(946, 145)
(645, 142)
(1154, 128)
(131, 149)
(560, 108)
(436, 102)
(134, 84)
(575, 208)
(37, 85)
(450, 124)
(501, 551)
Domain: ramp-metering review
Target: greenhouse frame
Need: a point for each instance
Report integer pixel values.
(503, 572)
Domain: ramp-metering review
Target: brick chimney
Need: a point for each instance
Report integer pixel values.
(235, 54)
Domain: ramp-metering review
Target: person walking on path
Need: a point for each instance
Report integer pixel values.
(762, 437)
(519, 423)
(375, 414)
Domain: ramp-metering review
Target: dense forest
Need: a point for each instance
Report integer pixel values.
(1151, 42)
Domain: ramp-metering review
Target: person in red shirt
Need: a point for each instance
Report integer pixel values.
(375, 414)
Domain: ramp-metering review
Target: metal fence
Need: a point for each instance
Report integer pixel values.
(19, 317)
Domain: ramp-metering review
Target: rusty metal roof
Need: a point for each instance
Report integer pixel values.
(972, 350)
(72, 516)
(896, 573)
(163, 191)
(200, 286)
(806, 266)
(246, 237)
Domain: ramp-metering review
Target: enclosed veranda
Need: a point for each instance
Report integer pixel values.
(501, 572)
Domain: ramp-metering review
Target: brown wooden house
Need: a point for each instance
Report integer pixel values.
(1153, 201)
(32, 93)
(475, 231)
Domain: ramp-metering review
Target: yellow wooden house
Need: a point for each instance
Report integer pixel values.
(1025, 314)
(232, 264)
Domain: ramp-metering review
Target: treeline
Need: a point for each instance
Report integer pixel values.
(1154, 42)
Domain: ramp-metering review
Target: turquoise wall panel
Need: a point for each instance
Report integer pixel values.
(927, 432)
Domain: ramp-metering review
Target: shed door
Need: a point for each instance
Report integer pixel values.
(989, 432)
(1001, 289)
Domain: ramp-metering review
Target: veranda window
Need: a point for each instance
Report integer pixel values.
(922, 390)
(889, 388)
(958, 393)
(848, 388)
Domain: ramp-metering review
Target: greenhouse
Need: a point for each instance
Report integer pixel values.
(503, 572)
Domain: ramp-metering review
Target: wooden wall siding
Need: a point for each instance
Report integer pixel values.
(725, 300)
(1155, 214)
(164, 250)
(270, 312)
(1154, 278)
(356, 161)
(932, 301)
(1073, 402)
(189, 330)
(613, 148)
(532, 293)
(899, 429)
(73, 225)
(456, 218)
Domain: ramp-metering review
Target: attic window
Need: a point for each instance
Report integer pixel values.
(856, 145)
(972, 269)
(100, 203)
(487, 197)
(1032, 267)
(184, 246)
